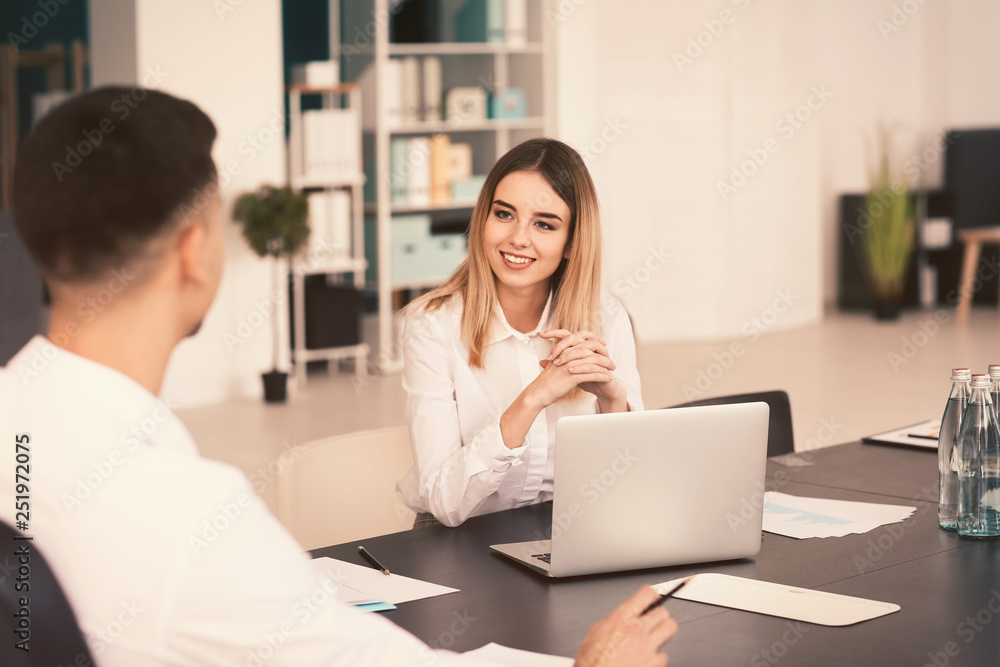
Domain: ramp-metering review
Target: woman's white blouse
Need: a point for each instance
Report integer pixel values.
(461, 466)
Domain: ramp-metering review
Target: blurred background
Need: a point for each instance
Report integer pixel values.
(737, 146)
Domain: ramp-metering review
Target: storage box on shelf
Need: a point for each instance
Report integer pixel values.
(479, 74)
(419, 258)
(324, 159)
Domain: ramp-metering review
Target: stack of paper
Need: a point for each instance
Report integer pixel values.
(503, 655)
(924, 434)
(798, 517)
(762, 597)
(365, 587)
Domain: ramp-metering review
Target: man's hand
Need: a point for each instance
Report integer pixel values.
(627, 639)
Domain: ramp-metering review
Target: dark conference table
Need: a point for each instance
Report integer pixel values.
(948, 588)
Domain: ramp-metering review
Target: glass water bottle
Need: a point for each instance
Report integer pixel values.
(951, 422)
(979, 465)
(994, 372)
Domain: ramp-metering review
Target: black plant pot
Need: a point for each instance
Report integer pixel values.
(275, 386)
(886, 309)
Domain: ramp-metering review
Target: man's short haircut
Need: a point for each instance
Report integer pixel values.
(104, 174)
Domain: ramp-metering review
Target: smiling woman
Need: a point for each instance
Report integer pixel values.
(513, 341)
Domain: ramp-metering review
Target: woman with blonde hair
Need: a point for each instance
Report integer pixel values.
(516, 338)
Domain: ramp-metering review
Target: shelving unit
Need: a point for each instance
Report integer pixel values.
(494, 66)
(346, 95)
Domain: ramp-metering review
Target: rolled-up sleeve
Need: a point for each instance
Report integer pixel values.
(449, 479)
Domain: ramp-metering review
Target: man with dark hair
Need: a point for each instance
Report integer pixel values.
(167, 558)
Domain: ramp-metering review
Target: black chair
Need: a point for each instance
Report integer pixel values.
(780, 439)
(55, 637)
(21, 293)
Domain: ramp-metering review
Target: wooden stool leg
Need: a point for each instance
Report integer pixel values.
(969, 265)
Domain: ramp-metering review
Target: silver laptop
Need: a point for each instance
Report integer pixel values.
(653, 489)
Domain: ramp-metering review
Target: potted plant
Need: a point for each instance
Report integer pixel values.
(887, 243)
(275, 224)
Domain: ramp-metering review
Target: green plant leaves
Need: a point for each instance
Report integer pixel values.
(275, 220)
(888, 241)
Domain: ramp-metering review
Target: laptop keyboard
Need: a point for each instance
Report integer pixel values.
(546, 558)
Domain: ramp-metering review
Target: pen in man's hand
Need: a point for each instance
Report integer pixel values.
(665, 596)
(371, 559)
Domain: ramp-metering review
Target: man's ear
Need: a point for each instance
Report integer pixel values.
(191, 252)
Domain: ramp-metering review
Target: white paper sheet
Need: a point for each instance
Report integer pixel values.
(394, 588)
(503, 655)
(801, 517)
(763, 597)
(924, 434)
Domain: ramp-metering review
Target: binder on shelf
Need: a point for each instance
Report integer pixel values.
(415, 22)
(418, 171)
(516, 22)
(399, 152)
(495, 21)
(440, 180)
(329, 226)
(340, 222)
(392, 88)
(480, 21)
(432, 88)
(410, 90)
(319, 224)
(331, 146)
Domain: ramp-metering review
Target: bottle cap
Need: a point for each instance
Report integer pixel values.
(980, 381)
(995, 370)
(959, 374)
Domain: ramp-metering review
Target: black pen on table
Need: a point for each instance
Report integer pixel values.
(665, 596)
(371, 559)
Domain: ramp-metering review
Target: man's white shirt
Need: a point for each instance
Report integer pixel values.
(167, 558)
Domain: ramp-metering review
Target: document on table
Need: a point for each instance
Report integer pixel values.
(800, 517)
(503, 655)
(394, 588)
(923, 435)
(764, 597)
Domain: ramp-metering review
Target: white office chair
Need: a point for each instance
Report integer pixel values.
(342, 488)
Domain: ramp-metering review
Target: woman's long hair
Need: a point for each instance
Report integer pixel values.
(575, 284)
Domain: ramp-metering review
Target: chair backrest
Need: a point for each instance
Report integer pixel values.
(780, 438)
(343, 488)
(20, 291)
(971, 161)
(55, 637)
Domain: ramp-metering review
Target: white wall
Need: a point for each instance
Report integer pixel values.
(683, 129)
(231, 66)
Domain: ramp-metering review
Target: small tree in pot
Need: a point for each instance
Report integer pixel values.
(888, 242)
(275, 224)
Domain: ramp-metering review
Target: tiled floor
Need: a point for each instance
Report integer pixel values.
(847, 377)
